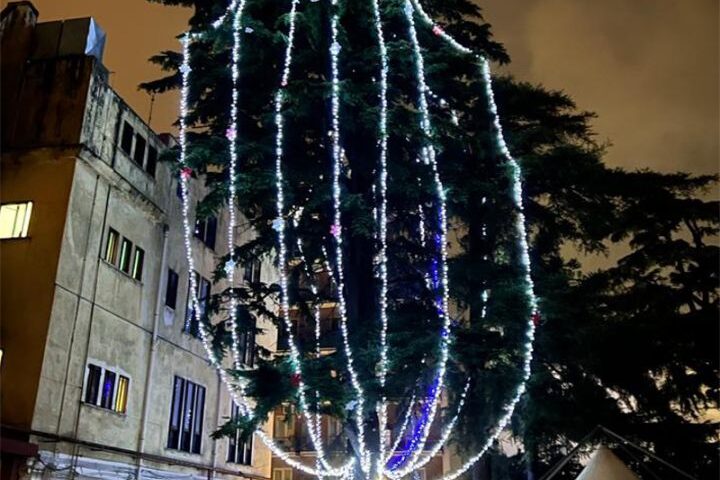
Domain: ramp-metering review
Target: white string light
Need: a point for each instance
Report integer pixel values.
(232, 134)
(236, 390)
(521, 231)
(429, 156)
(336, 231)
(382, 221)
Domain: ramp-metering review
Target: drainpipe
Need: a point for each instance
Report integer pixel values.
(211, 472)
(153, 346)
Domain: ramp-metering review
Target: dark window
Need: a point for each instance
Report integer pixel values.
(206, 231)
(92, 386)
(203, 297)
(125, 255)
(127, 138)
(171, 289)
(151, 164)
(252, 271)
(139, 155)
(186, 416)
(246, 339)
(111, 246)
(239, 450)
(108, 390)
(137, 266)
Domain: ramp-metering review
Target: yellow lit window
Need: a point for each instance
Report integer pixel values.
(111, 248)
(15, 220)
(122, 394)
(282, 474)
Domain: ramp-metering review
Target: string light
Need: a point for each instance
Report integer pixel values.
(382, 221)
(236, 390)
(439, 268)
(337, 235)
(420, 436)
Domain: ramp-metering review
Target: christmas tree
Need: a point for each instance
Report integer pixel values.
(363, 143)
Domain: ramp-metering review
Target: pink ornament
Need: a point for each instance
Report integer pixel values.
(231, 133)
(335, 230)
(186, 173)
(437, 30)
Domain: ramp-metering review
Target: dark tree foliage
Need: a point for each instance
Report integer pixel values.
(631, 345)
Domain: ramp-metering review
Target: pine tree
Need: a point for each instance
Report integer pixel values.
(571, 199)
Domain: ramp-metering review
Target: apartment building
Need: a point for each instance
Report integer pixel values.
(102, 373)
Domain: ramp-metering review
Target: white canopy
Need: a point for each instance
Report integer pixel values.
(604, 465)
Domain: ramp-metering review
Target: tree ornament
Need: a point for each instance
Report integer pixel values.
(186, 173)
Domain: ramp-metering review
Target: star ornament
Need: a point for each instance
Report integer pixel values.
(185, 69)
(230, 266)
(278, 224)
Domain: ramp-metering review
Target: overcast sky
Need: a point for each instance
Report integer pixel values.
(649, 68)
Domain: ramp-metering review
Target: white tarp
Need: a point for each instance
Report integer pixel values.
(604, 465)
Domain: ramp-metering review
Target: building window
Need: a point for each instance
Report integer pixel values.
(282, 474)
(139, 155)
(15, 220)
(137, 265)
(152, 158)
(111, 246)
(106, 388)
(119, 252)
(251, 272)
(127, 138)
(171, 290)
(284, 427)
(186, 416)
(206, 231)
(202, 292)
(246, 340)
(239, 450)
(125, 255)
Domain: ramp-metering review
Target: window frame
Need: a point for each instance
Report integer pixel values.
(94, 386)
(140, 142)
(206, 231)
(186, 435)
(203, 292)
(172, 285)
(240, 452)
(124, 255)
(24, 229)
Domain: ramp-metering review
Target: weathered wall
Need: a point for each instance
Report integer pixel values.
(28, 268)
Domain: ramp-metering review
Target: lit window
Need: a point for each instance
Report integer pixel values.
(137, 265)
(122, 394)
(125, 255)
(282, 474)
(111, 247)
(15, 220)
(106, 389)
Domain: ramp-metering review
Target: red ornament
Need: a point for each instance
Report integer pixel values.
(295, 380)
(186, 173)
(536, 318)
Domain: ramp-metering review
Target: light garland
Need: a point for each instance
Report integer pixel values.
(428, 154)
(336, 231)
(521, 230)
(232, 135)
(412, 461)
(236, 391)
(382, 221)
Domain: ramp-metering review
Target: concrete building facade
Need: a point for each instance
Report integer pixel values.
(101, 375)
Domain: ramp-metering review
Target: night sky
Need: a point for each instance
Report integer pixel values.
(648, 68)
